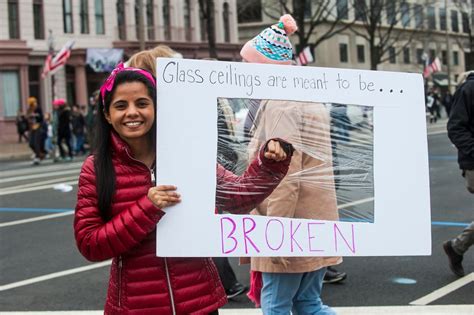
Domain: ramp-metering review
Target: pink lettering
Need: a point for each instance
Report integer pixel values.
(310, 237)
(336, 228)
(229, 236)
(282, 234)
(292, 234)
(247, 231)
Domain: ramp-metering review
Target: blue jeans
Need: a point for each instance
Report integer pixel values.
(296, 292)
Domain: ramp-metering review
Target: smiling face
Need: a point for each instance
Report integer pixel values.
(131, 112)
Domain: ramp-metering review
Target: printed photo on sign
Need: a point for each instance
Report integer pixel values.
(333, 142)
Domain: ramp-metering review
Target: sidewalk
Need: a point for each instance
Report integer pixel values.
(15, 151)
(371, 310)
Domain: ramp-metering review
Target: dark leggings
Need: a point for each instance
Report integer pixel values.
(67, 138)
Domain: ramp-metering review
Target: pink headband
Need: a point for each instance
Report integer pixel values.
(109, 83)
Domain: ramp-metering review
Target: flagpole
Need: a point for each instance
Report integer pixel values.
(51, 52)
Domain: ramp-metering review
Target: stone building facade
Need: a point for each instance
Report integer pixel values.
(24, 33)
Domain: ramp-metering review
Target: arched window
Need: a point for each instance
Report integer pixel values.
(225, 18)
(122, 34)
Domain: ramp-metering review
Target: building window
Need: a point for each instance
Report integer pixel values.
(150, 19)
(360, 53)
(137, 20)
(442, 19)
(122, 31)
(202, 25)
(84, 14)
(455, 58)
(465, 23)
(418, 15)
(419, 56)
(432, 53)
(225, 16)
(406, 55)
(99, 17)
(392, 55)
(34, 79)
(166, 19)
(10, 88)
(431, 18)
(13, 19)
(307, 9)
(444, 57)
(38, 22)
(391, 13)
(67, 16)
(454, 21)
(405, 11)
(342, 10)
(343, 55)
(187, 20)
(249, 11)
(359, 7)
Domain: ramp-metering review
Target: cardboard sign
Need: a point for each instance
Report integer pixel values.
(396, 219)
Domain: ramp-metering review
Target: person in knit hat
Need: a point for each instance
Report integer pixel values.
(292, 284)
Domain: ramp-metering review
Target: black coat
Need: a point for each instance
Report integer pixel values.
(461, 123)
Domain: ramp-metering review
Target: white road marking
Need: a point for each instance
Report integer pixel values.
(437, 132)
(34, 176)
(4, 192)
(40, 218)
(53, 275)
(354, 203)
(40, 169)
(39, 183)
(439, 293)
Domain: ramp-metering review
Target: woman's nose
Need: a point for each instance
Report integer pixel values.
(132, 110)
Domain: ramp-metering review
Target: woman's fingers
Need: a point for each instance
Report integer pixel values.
(164, 195)
(274, 151)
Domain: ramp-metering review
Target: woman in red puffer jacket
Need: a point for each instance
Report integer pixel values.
(119, 206)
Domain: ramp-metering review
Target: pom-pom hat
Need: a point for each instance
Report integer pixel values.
(272, 45)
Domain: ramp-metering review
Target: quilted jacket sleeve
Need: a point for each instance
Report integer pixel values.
(240, 194)
(99, 240)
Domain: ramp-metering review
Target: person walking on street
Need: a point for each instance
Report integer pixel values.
(64, 129)
(21, 125)
(461, 134)
(119, 205)
(36, 130)
(78, 129)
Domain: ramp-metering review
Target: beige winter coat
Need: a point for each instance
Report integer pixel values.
(308, 190)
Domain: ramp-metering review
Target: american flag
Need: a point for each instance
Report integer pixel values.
(432, 67)
(52, 64)
(304, 57)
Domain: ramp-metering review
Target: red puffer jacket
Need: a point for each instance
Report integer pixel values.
(141, 283)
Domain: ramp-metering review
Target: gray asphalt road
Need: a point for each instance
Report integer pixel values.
(33, 249)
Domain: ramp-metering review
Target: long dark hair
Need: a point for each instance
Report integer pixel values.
(104, 169)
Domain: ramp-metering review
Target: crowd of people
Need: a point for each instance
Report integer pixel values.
(435, 101)
(59, 135)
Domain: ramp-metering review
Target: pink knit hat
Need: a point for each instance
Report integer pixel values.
(59, 102)
(272, 44)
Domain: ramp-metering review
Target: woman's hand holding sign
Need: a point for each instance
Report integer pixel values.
(164, 196)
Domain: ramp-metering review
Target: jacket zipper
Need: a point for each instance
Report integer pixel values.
(119, 280)
(152, 172)
(169, 286)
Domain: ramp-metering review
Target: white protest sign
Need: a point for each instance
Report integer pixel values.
(187, 94)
